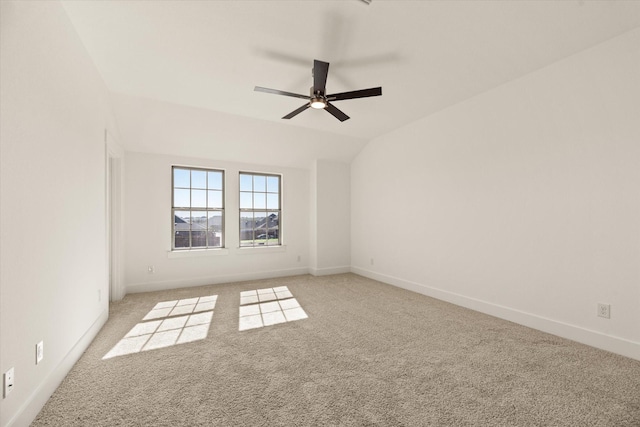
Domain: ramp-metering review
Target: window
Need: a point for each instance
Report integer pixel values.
(260, 209)
(197, 208)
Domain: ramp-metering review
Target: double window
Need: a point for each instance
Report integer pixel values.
(197, 208)
(260, 209)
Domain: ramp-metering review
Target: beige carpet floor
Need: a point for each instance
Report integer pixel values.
(367, 354)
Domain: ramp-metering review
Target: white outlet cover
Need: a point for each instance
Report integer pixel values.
(8, 382)
(39, 352)
(604, 310)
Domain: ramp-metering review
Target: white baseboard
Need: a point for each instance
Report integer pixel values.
(329, 270)
(212, 280)
(582, 335)
(30, 408)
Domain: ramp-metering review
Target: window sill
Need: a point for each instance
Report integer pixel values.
(261, 249)
(189, 253)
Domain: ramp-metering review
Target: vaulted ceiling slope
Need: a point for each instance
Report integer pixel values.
(198, 62)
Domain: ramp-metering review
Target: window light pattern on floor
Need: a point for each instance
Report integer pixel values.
(269, 306)
(168, 323)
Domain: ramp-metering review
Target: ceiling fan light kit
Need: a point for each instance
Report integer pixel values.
(317, 97)
(318, 103)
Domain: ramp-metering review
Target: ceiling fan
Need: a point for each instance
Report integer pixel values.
(318, 98)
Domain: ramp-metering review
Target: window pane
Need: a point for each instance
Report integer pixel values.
(272, 201)
(259, 183)
(198, 239)
(182, 217)
(198, 179)
(246, 229)
(214, 229)
(181, 239)
(273, 229)
(273, 184)
(181, 228)
(215, 199)
(198, 198)
(214, 240)
(259, 201)
(214, 222)
(181, 178)
(260, 227)
(198, 221)
(181, 198)
(246, 219)
(246, 182)
(272, 220)
(215, 180)
(246, 201)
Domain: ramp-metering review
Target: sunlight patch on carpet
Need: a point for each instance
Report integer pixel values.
(269, 306)
(168, 323)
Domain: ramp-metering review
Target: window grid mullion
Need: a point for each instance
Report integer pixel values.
(206, 204)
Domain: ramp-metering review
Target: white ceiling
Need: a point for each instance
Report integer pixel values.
(182, 73)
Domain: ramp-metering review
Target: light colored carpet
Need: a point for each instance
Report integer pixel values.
(368, 354)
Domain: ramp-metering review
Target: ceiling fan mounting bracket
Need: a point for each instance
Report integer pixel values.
(315, 93)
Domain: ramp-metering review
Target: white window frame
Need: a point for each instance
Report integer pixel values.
(242, 210)
(190, 208)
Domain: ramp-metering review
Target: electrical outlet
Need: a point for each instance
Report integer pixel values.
(298, 258)
(39, 352)
(99, 295)
(604, 310)
(8, 382)
(151, 269)
(371, 261)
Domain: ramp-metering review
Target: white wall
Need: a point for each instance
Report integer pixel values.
(54, 112)
(523, 202)
(153, 126)
(330, 218)
(148, 228)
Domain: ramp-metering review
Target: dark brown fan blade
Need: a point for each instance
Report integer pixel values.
(296, 112)
(336, 113)
(320, 71)
(279, 92)
(363, 93)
